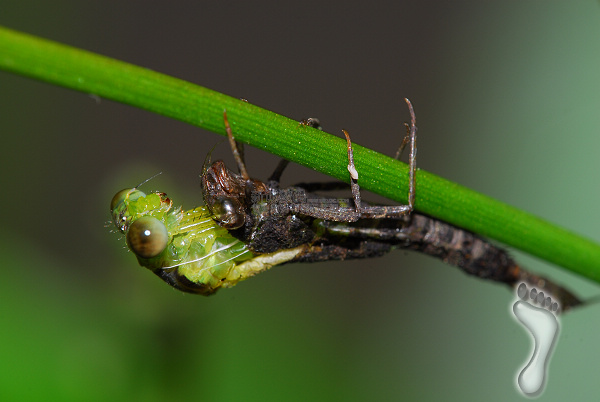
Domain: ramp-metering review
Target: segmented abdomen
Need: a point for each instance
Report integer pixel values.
(461, 248)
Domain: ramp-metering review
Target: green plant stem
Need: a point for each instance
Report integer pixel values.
(122, 82)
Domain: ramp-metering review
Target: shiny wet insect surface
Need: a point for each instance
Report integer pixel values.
(248, 226)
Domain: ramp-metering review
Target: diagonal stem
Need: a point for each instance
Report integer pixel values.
(87, 72)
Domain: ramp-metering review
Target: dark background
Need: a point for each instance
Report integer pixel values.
(507, 96)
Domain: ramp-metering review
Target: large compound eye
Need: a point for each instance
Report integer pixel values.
(228, 212)
(128, 193)
(147, 237)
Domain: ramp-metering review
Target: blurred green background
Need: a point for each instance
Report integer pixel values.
(507, 96)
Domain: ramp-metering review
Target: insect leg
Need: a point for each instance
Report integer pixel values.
(404, 143)
(276, 176)
(310, 122)
(341, 213)
(236, 148)
(410, 137)
(379, 211)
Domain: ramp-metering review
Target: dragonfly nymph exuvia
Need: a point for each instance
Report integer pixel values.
(248, 226)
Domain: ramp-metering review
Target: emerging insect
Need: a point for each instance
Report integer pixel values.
(187, 249)
(248, 226)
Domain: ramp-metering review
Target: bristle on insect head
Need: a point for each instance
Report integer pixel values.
(147, 180)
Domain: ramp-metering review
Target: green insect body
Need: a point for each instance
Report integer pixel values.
(187, 249)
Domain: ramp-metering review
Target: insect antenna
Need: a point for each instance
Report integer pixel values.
(147, 180)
